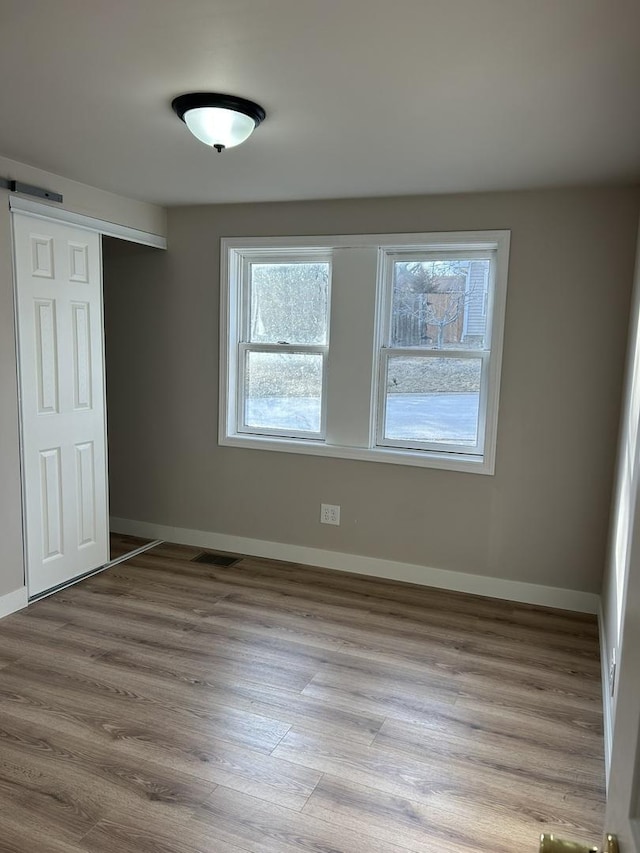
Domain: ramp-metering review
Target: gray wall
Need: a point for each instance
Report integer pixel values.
(542, 518)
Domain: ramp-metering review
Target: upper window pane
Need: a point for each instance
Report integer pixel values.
(440, 304)
(289, 303)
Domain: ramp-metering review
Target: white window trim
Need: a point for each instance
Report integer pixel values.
(235, 249)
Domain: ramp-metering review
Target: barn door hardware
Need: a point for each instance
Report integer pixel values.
(28, 189)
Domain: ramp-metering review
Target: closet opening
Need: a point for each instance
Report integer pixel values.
(126, 382)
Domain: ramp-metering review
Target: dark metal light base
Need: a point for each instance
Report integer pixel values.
(195, 100)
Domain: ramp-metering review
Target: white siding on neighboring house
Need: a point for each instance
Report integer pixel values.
(475, 315)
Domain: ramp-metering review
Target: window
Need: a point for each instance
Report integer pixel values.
(435, 351)
(283, 349)
(377, 347)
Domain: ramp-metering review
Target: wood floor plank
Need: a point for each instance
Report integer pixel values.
(183, 629)
(46, 803)
(379, 594)
(567, 689)
(110, 780)
(21, 637)
(381, 690)
(262, 829)
(387, 636)
(191, 659)
(360, 633)
(355, 631)
(472, 719)
(155, 739)
(134, 707)
(200, 656)
(275, 702)
(139, 835)
(448, 821)
(426, 776)
(151, 597)
(504, 649)
(22, 832)
(389, 592)
(81, 603)
(444, 631)
(497, 752)
(584, 711)
(208, 684)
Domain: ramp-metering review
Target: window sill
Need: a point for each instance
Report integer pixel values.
(417, 458)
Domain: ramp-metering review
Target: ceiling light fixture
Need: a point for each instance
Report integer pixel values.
(220, 121)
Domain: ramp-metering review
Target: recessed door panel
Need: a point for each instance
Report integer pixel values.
(79, 262)
(81, 341)
(41, 256)
(86, 493)
(51, 498)
(47, 355)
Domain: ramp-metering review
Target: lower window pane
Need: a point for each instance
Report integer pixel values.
(433, 399)
(283, 391)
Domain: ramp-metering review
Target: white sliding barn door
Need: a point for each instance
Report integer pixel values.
(60, 338)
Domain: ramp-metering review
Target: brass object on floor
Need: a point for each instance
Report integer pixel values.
(550, 844)
(612, 844)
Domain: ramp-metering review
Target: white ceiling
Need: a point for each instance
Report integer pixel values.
(363, 97)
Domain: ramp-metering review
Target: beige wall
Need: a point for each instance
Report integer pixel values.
(542, 518)
(90, 201)
(80, 199)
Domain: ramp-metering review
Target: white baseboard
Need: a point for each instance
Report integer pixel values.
(607, 705)
(528, 593)
(13, 601)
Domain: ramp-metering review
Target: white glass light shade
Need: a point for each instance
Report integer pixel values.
(219, 126)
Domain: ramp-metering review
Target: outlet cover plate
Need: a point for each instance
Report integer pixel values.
(329, 514)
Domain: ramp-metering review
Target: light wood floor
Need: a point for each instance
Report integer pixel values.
(167, 706)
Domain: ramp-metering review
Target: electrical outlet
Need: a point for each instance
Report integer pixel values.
(612, 671)
(329, 514)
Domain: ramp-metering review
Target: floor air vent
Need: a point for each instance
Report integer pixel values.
(215, 559)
